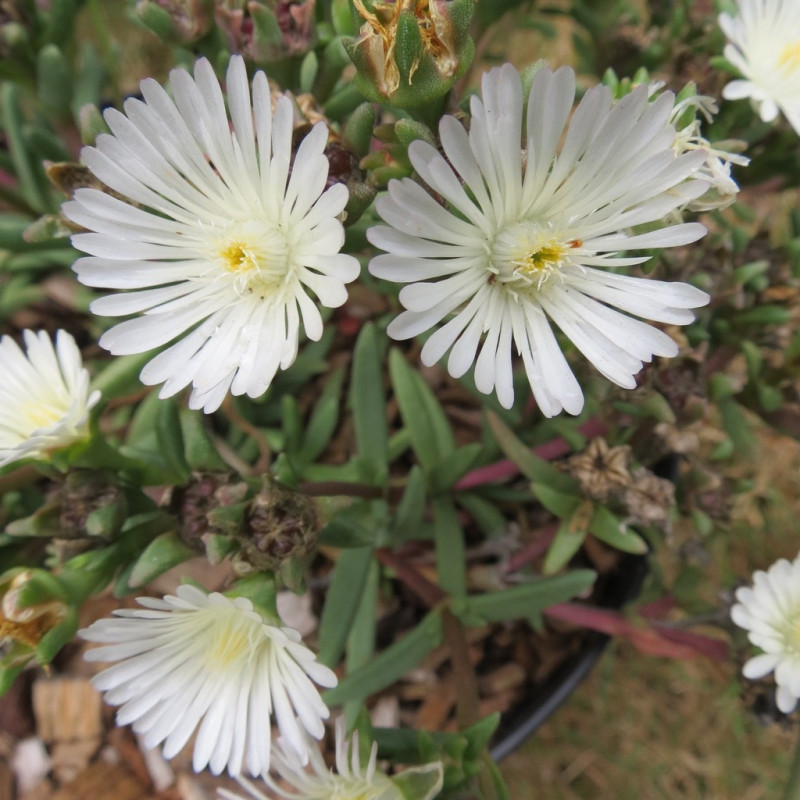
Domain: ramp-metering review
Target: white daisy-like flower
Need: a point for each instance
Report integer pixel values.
(209, 662)
(770, 613)
(525, 231)
(348, 781)
(722, 188)
(222, 238)
(764, 45)
(44, 396)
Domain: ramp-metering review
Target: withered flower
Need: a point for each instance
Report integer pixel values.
(26, 625)
(601, 470)
(411, 51)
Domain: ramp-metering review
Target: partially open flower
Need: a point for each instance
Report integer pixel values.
(349, 781)
(211, 663)
(770, 613)
(44, 396)
(765, 47)
(722, 188)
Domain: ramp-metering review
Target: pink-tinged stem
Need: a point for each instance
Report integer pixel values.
(652, 639)
(542, 540)
(501, 470)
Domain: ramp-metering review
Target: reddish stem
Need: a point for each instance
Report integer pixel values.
(428, 592)
(543, 538)
(506, 468)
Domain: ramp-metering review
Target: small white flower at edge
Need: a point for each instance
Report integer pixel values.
(764, 45)
(208, 662)
(44, 396)
(348, 781)
(770, 613)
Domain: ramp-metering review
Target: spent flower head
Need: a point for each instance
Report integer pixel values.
(764, 45)
(410, 52)
(213, 663)
(533, 235)
(44, 396)
(222, 240)
(770, 613)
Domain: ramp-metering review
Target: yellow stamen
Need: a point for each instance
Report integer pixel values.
(238, 258)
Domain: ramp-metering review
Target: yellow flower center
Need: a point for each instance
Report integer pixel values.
(40, 415)
(537, 264)
(525, 256)
(257, 257)
(789, 57)
(238, 258)
(235, 638)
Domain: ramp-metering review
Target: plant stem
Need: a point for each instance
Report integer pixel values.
(793, 785)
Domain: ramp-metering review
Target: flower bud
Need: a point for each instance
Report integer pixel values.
(180, 21)
(411, 52)
(267, 31)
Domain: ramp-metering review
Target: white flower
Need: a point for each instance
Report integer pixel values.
(526, 230)
(722, 188)
(197, 659)
(765, 47)
(44, 396)
(222, 238)
(770, 613)
(349, 781)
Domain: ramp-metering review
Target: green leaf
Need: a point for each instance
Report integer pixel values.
(484, 513)
(163, 553)
(346, 530)
(528, 600)
(28, 171)
(391, 664)
(368, 402)
(170, 441)
(610, 529)
(201, 454)
(121, 375)
(411, 508)
(261, 590)
(568, 539)
(361, 637)
(454, 466)
(451, 560)
(324, 419)
(54, 81)
(425, 420)
(533, 467)
(342, 602)
(55, 639)
(559, 503)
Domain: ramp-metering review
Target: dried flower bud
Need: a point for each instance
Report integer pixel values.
(410, 52)
(26, 624)
(280, 526)
(90, 502)
(649, 499)
(197, 505)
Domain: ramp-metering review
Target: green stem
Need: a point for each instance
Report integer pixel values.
(793, 785)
